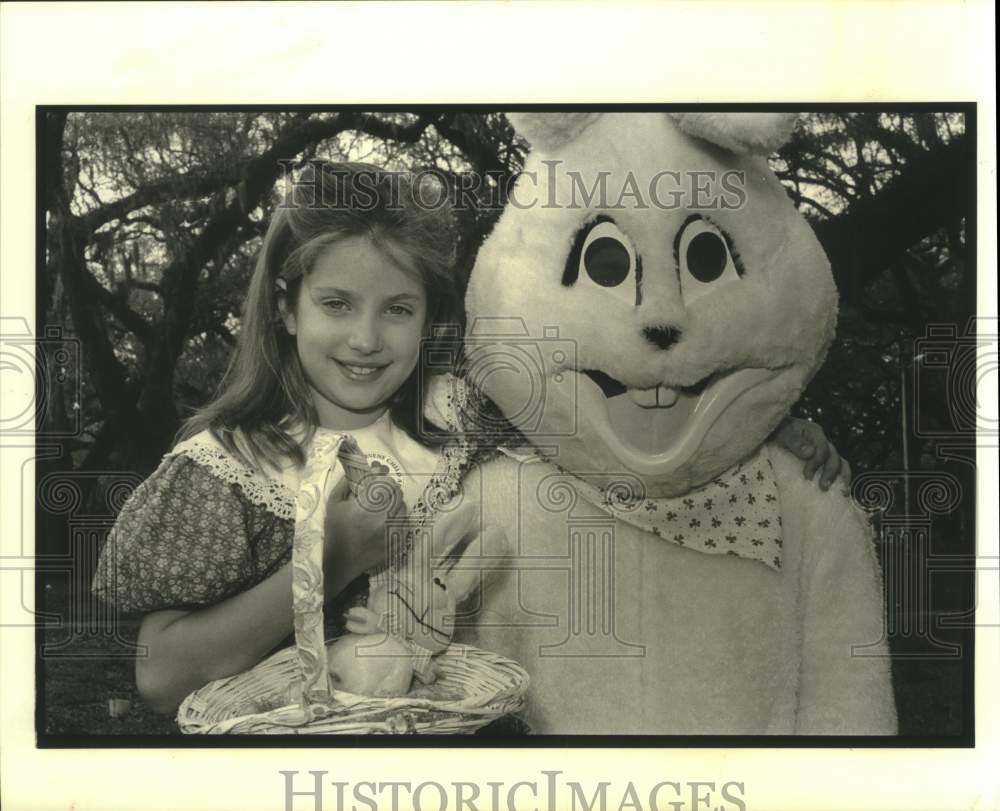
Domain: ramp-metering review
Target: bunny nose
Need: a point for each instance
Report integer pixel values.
(661, 337)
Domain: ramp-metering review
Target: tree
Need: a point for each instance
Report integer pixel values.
(889, 196)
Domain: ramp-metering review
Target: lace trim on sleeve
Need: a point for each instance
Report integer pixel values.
(446, 399)
(271, 494)
(456, 458)
(454, 403)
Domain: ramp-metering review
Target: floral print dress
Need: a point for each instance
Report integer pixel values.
(205, 527)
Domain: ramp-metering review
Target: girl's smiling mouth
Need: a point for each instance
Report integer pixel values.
(360, 371)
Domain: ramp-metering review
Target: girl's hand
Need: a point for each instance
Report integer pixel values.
(362, 620)
(808, 442)
(355, 527)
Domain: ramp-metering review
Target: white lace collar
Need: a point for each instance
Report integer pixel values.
(275, 490)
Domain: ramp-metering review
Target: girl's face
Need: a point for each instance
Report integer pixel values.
(357, 324)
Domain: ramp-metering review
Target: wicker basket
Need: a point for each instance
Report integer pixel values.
(473, 688)
(289, 694)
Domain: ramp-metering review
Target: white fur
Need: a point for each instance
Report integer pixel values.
(548, 131)
(753, 133)
(729, 645)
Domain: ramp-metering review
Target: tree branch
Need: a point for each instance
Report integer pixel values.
(482, 155)
(128, 317)
(877, 230)
(182, 187)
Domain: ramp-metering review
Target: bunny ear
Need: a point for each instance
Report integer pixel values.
(743, 133)
(547, 131)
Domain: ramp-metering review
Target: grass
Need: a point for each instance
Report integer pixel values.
(89, 670)
(81, 678)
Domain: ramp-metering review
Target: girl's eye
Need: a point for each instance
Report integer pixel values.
(336, 304)
(399, 309)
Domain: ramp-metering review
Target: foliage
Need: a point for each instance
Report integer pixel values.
(841, 164)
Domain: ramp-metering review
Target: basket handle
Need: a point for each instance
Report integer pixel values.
(317, 481)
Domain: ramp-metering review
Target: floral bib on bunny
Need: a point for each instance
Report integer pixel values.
(738, 513)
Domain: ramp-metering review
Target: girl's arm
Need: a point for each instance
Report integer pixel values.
(188, 649)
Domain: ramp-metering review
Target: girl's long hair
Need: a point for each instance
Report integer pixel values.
(264, 401)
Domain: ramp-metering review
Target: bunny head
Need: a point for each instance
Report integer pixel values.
(415, 600)
(651, 301)
(416, 604)
(410, 616)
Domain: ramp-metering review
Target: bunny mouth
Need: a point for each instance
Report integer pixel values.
(655, 431)
(659, 397)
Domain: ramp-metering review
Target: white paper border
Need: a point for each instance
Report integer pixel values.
(489, 53)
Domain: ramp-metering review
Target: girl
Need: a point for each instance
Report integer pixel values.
(351, 276)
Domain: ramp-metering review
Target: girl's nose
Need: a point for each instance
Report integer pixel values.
(365, 337)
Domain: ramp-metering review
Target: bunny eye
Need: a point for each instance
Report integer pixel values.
(704, 259)
(606, 258)
(603, 255)
(439, 584)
